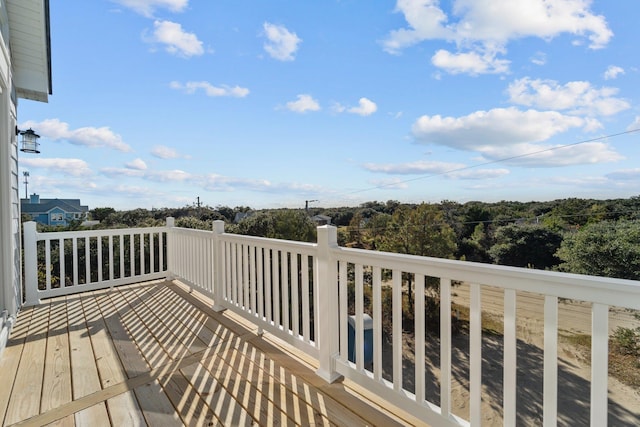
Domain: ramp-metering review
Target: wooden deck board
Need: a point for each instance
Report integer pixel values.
(84, 372)
(10, 359)
(156, 407)
(156, 354)
(56, 385)
(123, 407)
(27, 388)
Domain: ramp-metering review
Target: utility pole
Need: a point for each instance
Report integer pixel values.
(198, 201)
(306, 204)
(26, 183)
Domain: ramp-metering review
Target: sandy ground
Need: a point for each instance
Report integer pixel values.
(573, 370)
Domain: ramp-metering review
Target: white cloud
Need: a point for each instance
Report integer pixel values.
(538, 155)
(209, 89)
(469, 63)
(303, 104)
(513, 135)
(483, 28)
(635, 125)
(338, 108)
(148, 7)
(164, 152)
(136, 192)
(365, 107)
(215, 182)
(478, 174)
(281, 43)
(390, 184)
(120, 172)
(500, 126)
(540, 58)
(577, 97)
(176, 40)
(88, 136)
(136, 164)
(149, 175)
(625, 174)
(613, 72)
(420, 167)
(498, 21)
(175, 175)
(449, 170)
(426, 22)
(72, 167)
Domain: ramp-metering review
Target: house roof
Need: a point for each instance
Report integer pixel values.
(46, 205)
(30, 43)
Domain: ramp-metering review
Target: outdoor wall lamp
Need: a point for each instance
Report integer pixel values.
(29, 142)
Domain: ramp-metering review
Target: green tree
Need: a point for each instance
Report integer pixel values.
(260, 225)
(476, 247)
(287, 224)
(192, 222)
(356, 230)
(526, 245)
(100, 214)
(419, 231)
(293, 224)
(607, 248)
(573, 211)
(375, 231)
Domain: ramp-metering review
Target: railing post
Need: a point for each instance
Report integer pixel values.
(327, 312)
(218, 254)
(171, 222)
(31, 263)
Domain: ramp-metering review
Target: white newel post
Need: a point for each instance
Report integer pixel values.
(218, 253)
(327, 303)
(30, 263)
(171, 222)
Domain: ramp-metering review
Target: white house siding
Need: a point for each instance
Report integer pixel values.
(9, 278)
(29, 81)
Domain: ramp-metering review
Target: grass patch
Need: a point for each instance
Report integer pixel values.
(578, 340)
(491, 324)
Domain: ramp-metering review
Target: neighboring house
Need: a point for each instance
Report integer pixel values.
(53, 211)
(25, 72)
(242, 215)
(321, 219)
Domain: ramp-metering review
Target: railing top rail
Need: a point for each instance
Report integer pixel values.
(265, 241)
(191, 231)
(93, 233)
(606, 290)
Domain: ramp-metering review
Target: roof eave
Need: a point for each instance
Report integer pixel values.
(30, 41)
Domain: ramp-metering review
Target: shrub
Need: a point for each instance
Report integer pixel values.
(627, 340)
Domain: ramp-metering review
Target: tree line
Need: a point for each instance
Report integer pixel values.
(584, 236)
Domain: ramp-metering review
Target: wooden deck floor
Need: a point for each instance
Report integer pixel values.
(154, 354)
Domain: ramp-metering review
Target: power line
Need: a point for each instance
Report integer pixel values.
(505, 159)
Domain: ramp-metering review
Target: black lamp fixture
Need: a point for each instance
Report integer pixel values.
(29, 142)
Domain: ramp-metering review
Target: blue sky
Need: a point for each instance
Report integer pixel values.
(270, 103)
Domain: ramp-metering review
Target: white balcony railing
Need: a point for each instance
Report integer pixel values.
(302, 292)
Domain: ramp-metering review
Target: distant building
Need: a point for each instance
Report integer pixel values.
(321, 219)
(242, 215)
(53, 211)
